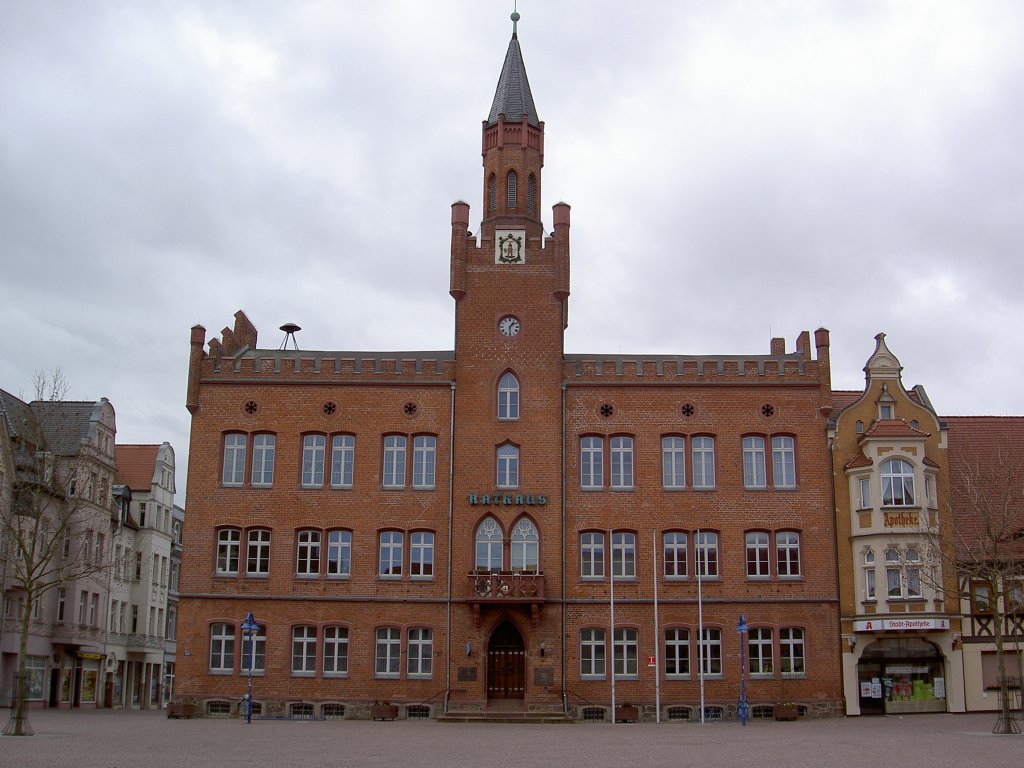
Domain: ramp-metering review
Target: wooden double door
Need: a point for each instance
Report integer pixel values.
(506, 663)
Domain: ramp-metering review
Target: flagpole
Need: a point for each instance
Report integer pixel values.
(611, 604)
(700, 624)
(657, 637)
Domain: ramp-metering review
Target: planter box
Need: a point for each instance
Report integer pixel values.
(181, 710)
(785, 712)
(383, 711)
(627, 713)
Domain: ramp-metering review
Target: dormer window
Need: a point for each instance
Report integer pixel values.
(886, 405)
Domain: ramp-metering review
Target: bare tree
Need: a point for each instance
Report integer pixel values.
(987, 494)
(56, 510)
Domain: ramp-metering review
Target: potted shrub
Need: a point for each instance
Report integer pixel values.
(785, 710)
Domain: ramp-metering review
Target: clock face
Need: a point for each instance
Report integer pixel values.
(509, 326)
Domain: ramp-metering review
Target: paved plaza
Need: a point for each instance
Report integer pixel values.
(124, 739)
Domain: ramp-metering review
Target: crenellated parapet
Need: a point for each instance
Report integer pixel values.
(248, 363)
(778, 367)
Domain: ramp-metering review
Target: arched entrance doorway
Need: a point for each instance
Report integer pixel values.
(901, 675)
(506, 663)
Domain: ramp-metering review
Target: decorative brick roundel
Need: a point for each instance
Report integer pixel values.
(687, 410)
(607, 410)
(767, 410)
(410, 409)
(330, 408)
(251, 407)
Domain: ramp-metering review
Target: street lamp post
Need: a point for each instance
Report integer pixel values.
(249, 627)
(743, 709)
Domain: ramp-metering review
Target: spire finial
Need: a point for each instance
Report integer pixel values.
(515, 20)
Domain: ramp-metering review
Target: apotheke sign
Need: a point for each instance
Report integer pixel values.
(878, 625)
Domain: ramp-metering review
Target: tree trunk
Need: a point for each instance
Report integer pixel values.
(18, 725)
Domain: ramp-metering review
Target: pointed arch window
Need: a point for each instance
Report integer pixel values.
(492, 193)
(489, 541)
(508, 397)
(531, 192)
(511, 188)
(525, 546)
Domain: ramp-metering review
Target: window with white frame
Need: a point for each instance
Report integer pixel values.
(702, 456)
(228, 544)
(623, 555)
(783, 461)
(335, 651)
(420, 652)
(753, 462)
(233, 472)
(307, 554)
(759, 649)
(508, 398)
(394, 461)
(390, 559)
(303, 650)
(711, 651)
(314, 448)
(706, 554)
(897, 483)
(791, 651)
(592, 653)
(263, 448)
(869, 575)
(913, 572)
(591, 554)
(256, 653)
(388, 652)
(591, 462)
(489, 543)
(625, 652)
(508, 466)
(424, 459)
(257, 558)
(893, 576)
(421, 554)
(525, 546)
(339, 553)
(677, 652)
(673, 462)
(622, 462)
(674, 554)
(787, 554)
(865, 492)
(222, 648)
(757, 554)
(343, 459)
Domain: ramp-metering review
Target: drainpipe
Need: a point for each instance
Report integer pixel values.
(835, 559)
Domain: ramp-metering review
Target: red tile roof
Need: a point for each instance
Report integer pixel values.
(986, 457)
(860, 460)
(893, 428)
(844, 398)
(135, 466)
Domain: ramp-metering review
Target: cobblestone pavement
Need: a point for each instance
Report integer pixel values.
(125, 739)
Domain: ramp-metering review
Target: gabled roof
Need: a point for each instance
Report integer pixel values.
(986, 457)
(513, 97)
(893, 428)
(136, 465)
(16, 413)
(63, 424)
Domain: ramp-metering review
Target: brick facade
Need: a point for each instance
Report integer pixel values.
(508, 614)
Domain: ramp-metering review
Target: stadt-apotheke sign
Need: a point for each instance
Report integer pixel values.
(878, 625)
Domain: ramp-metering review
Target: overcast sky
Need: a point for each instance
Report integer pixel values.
(737, 171)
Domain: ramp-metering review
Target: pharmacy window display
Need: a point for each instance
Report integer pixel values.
(900, 676)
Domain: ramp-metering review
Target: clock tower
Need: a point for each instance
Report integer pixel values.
(511, 288)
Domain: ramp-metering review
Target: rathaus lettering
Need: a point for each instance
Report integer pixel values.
(505, 500)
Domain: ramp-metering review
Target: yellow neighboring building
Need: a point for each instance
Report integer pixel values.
(897, 591)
